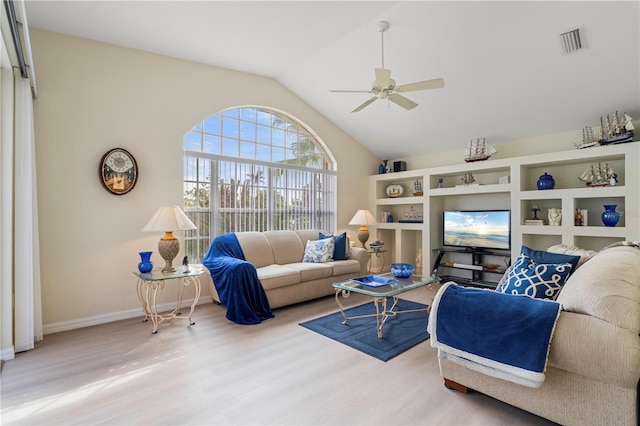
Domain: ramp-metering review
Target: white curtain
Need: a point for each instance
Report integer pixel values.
(28, 310)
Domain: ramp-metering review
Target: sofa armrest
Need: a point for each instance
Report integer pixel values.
(361, 255)
(593, 348)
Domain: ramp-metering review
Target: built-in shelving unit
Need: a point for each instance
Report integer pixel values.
(517, 192)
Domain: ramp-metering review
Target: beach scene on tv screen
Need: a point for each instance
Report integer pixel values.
(489, 229)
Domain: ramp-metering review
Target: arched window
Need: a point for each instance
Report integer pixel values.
(255, 169)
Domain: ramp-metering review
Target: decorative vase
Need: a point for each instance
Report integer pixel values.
(610, 216)
(546, 182)
(145, 264)
(555, 216)
(390, 218)
(381, 169)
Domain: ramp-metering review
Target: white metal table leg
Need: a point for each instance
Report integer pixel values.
(196, 285)
(145, 306)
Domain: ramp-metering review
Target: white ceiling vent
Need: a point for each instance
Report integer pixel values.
(573, 40)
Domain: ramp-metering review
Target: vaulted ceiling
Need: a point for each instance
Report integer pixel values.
(506, 75)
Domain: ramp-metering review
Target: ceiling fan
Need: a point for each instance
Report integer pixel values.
(384, 87)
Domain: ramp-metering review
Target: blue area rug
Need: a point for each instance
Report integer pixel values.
(399, 333)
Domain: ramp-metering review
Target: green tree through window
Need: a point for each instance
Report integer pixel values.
(255, 169)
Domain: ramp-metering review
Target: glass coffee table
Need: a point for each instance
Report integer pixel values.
(379, 291)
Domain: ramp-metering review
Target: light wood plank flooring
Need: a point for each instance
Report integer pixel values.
(218, 372)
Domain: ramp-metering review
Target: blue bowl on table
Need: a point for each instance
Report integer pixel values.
(402, 270)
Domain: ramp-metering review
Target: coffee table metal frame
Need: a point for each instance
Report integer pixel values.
(380, 296)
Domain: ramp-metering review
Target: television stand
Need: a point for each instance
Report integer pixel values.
(471, 267)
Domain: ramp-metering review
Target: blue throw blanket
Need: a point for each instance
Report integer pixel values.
(236, 281)
(502, 335)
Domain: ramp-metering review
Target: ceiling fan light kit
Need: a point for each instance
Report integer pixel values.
(384, 87)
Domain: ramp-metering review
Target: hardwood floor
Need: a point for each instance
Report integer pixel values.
(218, 372)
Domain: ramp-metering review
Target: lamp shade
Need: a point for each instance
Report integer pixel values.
(363, 217)
(170, 218)
(167, 220)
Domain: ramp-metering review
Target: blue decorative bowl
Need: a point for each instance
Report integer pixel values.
(402, 270)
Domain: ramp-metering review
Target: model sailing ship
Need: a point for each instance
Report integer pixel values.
(478, 151)
(616, 131)
(612, 131)
(588, 140)
(599, 175)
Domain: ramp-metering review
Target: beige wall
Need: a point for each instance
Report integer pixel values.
(549, 143)
(557, 142)
(93, 97)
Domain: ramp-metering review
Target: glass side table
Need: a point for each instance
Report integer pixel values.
(149, 283)
(378, 252)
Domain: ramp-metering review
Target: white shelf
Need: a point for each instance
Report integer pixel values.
(399, 200)
(550, 194)
(600, 231)
(397, 225)
(405, 239)
(479, 189)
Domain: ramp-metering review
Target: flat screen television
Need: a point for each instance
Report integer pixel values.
(478, 229)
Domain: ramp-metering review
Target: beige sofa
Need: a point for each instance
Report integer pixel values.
(286, 279)
(593, 367)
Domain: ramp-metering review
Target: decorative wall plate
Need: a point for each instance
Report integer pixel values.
(394, 190)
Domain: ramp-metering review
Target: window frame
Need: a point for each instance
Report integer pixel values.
(321, 179)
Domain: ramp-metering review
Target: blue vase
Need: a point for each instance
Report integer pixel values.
(546, 182)
(390, 218)
(145, 264)
(381, 169)
(610, 216)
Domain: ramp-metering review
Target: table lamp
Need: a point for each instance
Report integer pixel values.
(167, 220)
(363, 218)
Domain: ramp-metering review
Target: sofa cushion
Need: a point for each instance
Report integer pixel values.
(286, 246)
(607, 287)
(533, 279)
(341, 249)
(310, 271)
(349, 266)
(308, 234)
(274, 276)
(319, 251)
(256, 248)
(573, 251)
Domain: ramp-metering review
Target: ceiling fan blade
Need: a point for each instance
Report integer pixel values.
(402, 101)
(365, 104)
(350, 91)
(382, 77)
(436, 83)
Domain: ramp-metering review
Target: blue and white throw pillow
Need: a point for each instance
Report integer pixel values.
(540, 256)
(341, 249)
(538, 280)
(319, 251)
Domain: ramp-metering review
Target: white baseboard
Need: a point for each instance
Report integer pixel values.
(114, 316)
(7, 354)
